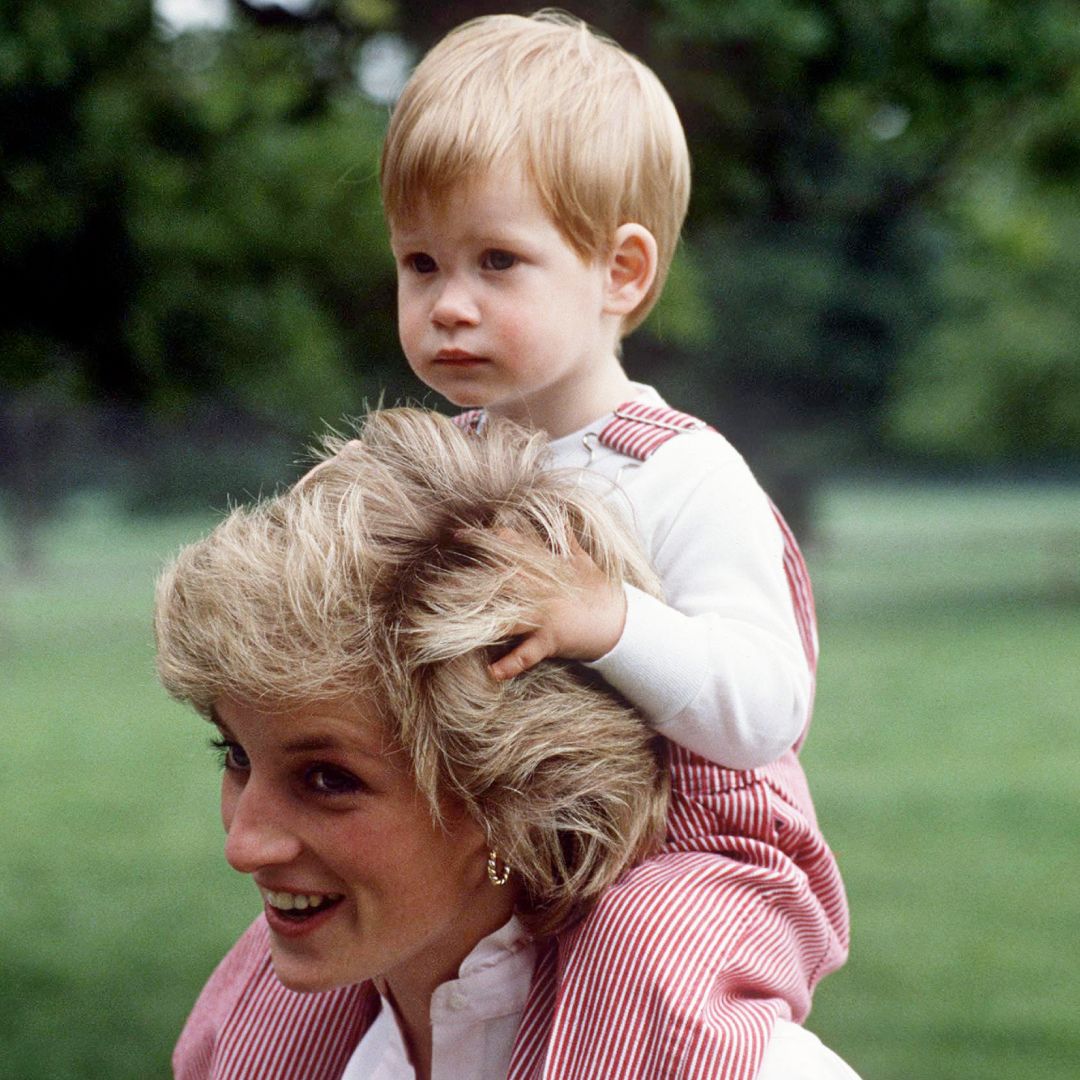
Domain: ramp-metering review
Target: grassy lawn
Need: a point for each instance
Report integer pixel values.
(943, 758)
(944, 761)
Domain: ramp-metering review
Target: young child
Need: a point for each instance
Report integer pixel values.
(535, 178)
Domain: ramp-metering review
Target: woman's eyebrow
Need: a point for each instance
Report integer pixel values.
(215, 719)
(314, 744)
(311, 744)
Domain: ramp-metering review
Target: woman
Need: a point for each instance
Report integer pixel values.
(418, 831)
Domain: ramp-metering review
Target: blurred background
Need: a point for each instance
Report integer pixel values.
(877, 299)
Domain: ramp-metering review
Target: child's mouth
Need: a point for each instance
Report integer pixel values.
(458, 358)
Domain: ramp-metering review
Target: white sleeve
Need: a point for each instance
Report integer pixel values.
(794, 1053)
(719, 668)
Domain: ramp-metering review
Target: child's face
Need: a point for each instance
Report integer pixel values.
(495, 309)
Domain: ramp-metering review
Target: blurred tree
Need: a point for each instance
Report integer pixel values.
(182, 219)
(878, 253)
(997, 375)
(838, 150)
(187, 216)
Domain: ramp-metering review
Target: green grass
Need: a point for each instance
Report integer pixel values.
(943, 761)
(111, 878)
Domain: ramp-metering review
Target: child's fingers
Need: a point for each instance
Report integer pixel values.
(526, 654)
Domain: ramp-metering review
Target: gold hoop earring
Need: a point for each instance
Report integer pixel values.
(495, 875)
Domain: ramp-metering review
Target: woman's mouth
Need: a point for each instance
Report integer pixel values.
(298, 907)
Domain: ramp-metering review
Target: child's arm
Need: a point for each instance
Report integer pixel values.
(720, 667)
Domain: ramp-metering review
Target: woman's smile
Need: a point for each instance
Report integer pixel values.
(297, 914)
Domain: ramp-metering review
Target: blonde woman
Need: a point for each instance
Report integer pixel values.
(419, 832)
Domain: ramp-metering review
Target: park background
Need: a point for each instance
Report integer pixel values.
(877, 298)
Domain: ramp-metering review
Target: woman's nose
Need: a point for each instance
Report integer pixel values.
(258, 832)
(455, 305)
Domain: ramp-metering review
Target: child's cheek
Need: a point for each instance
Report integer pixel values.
(410, 331)
(522, 341)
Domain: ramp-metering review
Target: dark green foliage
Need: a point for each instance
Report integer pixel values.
(189, 217)
(879, 255)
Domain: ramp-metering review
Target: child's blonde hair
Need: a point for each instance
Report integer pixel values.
(590, 125)
(386, 577)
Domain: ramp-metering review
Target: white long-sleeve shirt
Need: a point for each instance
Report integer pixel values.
(719, 667)
(475, 1017)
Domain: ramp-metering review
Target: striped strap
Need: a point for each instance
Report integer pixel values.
(469, 420)
(802, 595)
(638, 430)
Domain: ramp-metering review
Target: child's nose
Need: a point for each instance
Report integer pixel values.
(455, 305)
(258, 831)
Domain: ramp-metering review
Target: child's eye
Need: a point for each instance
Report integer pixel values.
(422, 263)
(499, 260)
(331, 780)
(231, 755)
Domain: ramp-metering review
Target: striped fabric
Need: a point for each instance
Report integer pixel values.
(802, 595)
(678, 973)
(686, 962)
(469, 420)
(247, 1026)
(638, 429)
(684, 965)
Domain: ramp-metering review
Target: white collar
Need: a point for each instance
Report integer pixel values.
(474, 1018)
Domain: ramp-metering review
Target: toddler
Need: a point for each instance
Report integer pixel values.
(535, 179)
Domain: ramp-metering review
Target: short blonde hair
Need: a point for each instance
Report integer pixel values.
(591, 126)
(388, 576)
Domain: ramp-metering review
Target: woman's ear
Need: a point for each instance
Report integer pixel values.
(631, 269)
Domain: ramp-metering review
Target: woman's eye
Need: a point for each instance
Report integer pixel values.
(499, 260)
(330, 780)
(422, 263)
(231, 755)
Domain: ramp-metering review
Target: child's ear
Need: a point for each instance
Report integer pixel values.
(631, 269)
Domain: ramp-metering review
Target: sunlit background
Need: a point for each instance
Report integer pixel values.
(877, 298)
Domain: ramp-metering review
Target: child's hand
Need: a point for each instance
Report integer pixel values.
(582, 626)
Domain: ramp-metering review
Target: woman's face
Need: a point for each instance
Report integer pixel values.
(357, 882)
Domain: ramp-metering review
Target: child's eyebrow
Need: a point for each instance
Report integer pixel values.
(507, 235)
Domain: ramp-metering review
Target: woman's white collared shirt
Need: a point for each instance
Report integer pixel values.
(475, 1017)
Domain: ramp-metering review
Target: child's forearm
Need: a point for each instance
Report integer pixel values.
(731, 690)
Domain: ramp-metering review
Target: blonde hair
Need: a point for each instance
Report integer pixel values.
(391, 574)
(591, 126)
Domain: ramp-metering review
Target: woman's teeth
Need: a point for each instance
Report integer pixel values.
(287, 901)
